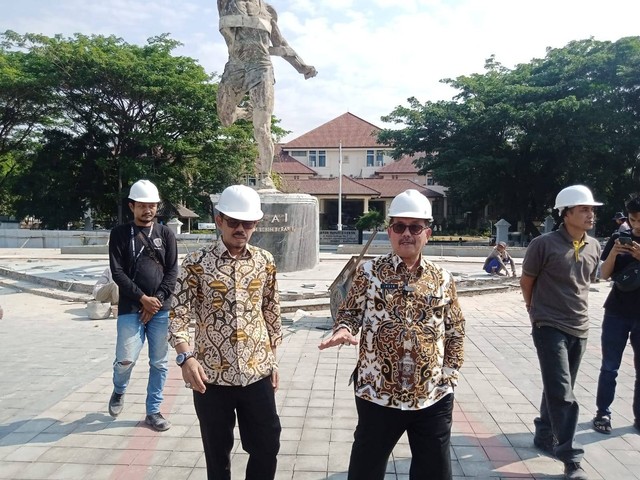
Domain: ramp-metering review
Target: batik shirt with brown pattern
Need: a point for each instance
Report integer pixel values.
(412, 332)
(237, 313)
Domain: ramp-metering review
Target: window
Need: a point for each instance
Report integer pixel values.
(379, 158)
(370, 158)
(299, 153)
(317, 158)
(322, 158)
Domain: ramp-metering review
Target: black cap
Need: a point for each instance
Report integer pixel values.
(619, 216)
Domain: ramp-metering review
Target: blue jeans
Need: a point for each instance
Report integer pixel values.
(494, 263)
(559, 355)
(131, 336)
(616, 330)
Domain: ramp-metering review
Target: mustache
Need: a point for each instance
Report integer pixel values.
(239, 235)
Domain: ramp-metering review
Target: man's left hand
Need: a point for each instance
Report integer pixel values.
(275, 379)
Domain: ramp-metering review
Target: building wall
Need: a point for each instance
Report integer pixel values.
(354, 161)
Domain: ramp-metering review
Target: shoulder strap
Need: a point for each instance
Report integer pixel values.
(150, 249)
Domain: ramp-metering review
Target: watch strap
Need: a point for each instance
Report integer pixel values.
(183, 357)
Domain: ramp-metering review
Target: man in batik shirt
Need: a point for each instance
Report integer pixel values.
(231, 288)
(411, 348)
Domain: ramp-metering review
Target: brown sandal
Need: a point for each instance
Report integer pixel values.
(602, 424)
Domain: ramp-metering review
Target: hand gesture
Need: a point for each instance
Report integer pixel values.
(340, 337)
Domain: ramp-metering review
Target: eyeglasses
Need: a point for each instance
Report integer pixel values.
(236, 223)
(400, 228)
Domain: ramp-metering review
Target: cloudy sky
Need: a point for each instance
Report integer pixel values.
(371, 55)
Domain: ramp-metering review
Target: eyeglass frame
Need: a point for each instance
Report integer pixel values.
(246, 224)
(411, 227)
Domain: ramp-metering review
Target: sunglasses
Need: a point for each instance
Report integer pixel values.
(236, 223)
(400, 228)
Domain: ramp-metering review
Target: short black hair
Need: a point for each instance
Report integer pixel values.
(633, 205)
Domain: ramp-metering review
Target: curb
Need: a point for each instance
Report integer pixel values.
(290, 301)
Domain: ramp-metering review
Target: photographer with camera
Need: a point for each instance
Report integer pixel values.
(621, 257)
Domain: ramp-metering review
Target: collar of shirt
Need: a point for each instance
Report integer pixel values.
(563, 231)
(397, 262)
(221, 250)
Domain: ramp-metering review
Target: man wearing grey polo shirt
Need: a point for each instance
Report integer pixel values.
(557, 271)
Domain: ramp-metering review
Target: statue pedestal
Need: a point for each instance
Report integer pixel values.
(290, 229)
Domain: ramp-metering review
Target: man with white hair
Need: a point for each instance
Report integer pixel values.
(557, 271)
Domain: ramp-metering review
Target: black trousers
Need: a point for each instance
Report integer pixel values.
(258, 422)
(380, 428)
(560, 355)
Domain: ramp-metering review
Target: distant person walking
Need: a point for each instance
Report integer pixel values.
(411, 349)
(143, 256)
(557, 270)
(621, 322)
(230, 287)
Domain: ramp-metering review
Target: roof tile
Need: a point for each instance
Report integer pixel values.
(352, 131)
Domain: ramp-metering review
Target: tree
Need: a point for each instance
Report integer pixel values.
(26, 104)
(143, 111)
(514, 137)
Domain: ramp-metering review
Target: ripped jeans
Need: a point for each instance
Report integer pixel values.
(131, 336)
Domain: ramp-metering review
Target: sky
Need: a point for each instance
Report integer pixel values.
(370, 55)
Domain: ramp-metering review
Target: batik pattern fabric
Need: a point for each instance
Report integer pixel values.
(237, 313)
(411, 332)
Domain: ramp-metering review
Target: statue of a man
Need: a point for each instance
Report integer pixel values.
(251, 31)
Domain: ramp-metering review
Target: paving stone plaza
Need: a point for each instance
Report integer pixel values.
(56, 380)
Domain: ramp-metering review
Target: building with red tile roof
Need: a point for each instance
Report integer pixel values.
(347, 148)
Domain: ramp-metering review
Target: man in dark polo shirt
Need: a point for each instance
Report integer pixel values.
(557, 271)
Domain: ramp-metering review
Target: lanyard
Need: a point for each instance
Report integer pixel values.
(133, 243)
(576, 248)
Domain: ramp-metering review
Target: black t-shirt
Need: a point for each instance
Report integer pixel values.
(143, 266)
(626, 304)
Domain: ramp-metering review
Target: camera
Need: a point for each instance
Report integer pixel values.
(625, 240)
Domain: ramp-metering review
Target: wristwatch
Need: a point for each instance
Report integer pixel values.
(183, 357)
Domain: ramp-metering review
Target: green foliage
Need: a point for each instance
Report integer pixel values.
(106, 113)
(515, 137)
(371, 220)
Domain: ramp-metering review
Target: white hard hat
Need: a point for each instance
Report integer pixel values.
(574, 195)
(240, 202)
(410, 204)
(144, 191)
